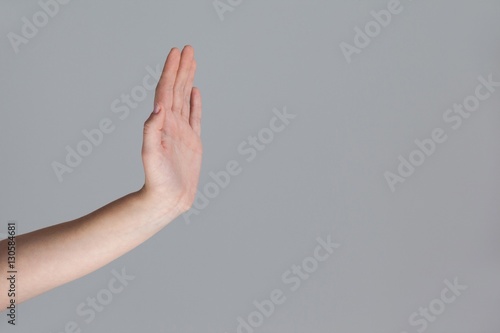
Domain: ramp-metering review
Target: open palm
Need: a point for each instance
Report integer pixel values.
(172, 149)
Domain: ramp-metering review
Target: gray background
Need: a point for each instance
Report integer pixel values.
(323, 175)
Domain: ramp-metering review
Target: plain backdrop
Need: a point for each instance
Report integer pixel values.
(322, 176)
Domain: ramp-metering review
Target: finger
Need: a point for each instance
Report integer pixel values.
(165, 87)
(195, 114)
(182, 75)
(153, 129)
(187, 92)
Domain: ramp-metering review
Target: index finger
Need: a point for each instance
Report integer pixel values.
(165, 87)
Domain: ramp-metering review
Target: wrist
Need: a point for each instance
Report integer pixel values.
(161, 207)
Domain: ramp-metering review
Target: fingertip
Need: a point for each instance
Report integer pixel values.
(196, 92)
(188, 49)
(174, 54)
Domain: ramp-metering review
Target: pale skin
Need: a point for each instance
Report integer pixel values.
(171, 156)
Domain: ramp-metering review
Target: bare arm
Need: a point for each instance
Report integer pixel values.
(171, 155)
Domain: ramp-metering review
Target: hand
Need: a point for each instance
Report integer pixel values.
(172, 149)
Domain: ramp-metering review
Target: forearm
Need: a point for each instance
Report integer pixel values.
(55, 255)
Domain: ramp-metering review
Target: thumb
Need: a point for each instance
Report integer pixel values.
(152, 129)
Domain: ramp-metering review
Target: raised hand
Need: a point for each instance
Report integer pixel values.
(172, 149)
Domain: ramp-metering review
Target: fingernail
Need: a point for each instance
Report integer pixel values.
(156, 109)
